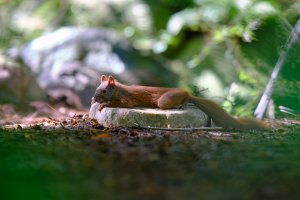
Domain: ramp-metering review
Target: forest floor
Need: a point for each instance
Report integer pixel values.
(73, 157)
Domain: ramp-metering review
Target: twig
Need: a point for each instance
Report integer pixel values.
(56, 110)
(66, 128)
(265, 99)
(181, 129)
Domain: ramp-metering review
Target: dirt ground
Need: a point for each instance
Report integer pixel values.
(50, 156)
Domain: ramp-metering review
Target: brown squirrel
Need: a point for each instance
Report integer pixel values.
(111, 93)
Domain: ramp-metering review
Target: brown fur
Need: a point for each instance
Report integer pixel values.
(111, 93)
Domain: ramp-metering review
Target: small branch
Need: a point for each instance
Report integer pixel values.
(66, 128)
(181, 129)
(265, 99)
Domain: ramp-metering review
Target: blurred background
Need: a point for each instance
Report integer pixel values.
(55, 51)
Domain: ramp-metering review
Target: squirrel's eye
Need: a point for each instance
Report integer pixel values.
(103, 91)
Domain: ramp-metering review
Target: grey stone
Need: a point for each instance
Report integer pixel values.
(74, 58)
(188, 117)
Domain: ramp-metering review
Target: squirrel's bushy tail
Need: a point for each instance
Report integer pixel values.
(223, 119)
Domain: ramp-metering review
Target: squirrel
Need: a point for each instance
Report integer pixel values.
(112, 93)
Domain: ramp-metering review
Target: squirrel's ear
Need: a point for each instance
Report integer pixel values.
(111, 80)
(103, 78)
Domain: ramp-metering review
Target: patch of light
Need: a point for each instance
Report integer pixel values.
(143, 44)
(4, 74)
(26, 22)
(97, 3)
(139, 10)
(208, 79)
(53, 39)
(139, 15)
(129, 31)
(264, 8)
(243, 4)
(175, 24)
(213, 13)
(117, 66)
(159, 47)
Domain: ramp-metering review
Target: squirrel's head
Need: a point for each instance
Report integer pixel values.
(106, 90)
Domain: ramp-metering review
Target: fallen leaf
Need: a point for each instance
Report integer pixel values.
(102, 135)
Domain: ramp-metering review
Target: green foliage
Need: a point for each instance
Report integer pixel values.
(237, 42)
(230, 33)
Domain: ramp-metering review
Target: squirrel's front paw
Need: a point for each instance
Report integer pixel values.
(103, 105)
